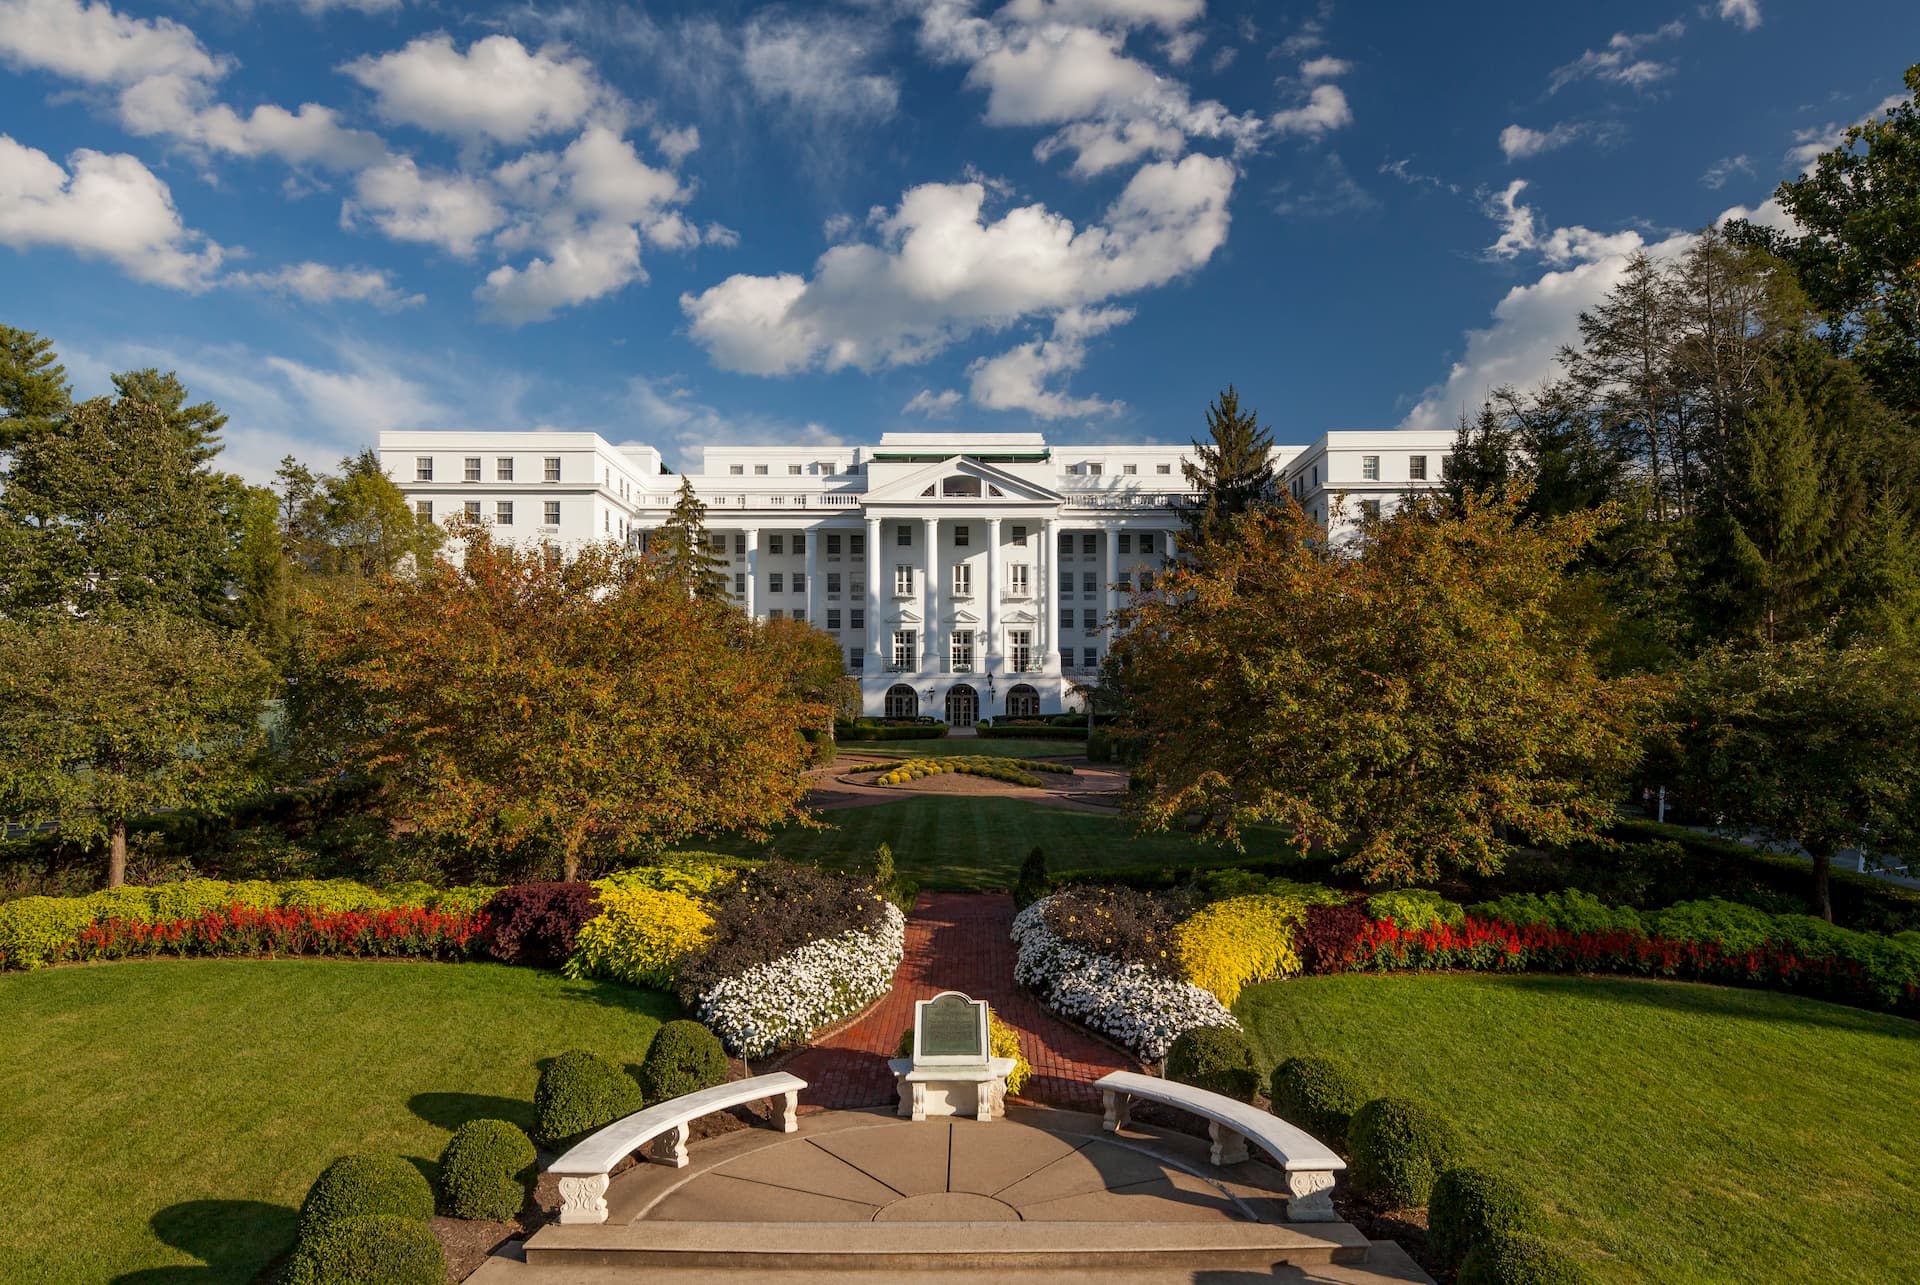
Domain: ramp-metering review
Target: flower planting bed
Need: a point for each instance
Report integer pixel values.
(993, 767)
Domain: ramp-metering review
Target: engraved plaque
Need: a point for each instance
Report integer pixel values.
(950, 1030)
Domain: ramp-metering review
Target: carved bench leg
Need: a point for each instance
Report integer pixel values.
(582, 1199)
(1229, 1148)
(1117, 1110)
(789, 1117)
(1310, 1198)
(671, 1148)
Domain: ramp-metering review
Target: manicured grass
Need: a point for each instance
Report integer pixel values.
(162, 1120)
(1010, 748)
(1675, 1132)
(973, 844)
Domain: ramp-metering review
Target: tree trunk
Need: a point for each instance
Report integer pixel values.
(117, 856)
(1822, 868)
(572, 860)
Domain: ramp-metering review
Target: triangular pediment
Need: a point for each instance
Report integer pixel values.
(928, 486)
(904, 616)
(1019, 616)
(962, 616)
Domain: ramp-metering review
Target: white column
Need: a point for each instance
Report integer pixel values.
(876, 662)
(930, 599)
(1050, 596)
(753, 570)
(813, 576)
(1108, 599)
(993, 598)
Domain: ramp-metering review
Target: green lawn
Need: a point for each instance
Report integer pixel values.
(1008, 748)
(162, 1120)
(1674, 1132)
(972, 843)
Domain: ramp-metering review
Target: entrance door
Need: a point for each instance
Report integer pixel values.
(963, 706)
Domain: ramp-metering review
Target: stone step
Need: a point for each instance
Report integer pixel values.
(896, 1247)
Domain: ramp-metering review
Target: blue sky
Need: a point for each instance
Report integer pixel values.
(745, 223)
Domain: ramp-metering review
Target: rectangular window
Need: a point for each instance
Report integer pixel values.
(1089, 620)
(903, 536)
(833, 545)
(857, 659)
(800, 615)
(423, 468)
(552, 514)
(856, 588)
(503, 513)
(962, 580)
(1370, 509)
(903, 580)
(833, 619)
(472, 469)
(1370, 468)
(1316, 476)
(799, 582)
(1088, 544)
(963, 652)
(1126, 581)
(903, 649)
(550, 554)
(1094, 469)
(1089, 583)
(423, 510)
(473, 510)
(833, 584)
(1126, 543)
(1146, 544)
(606, 523)
(1073, 470)
(552, 463)
(503, 469)
(793, 469)
(1020, 650)
(774, 613)
(857, 545)
(1163, 468)
(959, 537)
(776, 545)
(739, 584)
(1129, 469)
(1416, 468)
(1090, 658)
(1146, 580)
(1066, 619)
(774, 581)
(1019, 537)
(737, 470)
(856, 617)
(719, 542)
(759, 470)
(1017, 579)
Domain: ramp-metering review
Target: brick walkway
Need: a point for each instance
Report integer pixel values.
(956, 941)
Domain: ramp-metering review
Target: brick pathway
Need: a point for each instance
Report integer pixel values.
(956, 941)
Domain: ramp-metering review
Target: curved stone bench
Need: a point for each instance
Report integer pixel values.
(587, 1168)
(1310, 1164)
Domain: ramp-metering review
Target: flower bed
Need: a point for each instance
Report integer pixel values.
(1016, 772)
(415, 933)
(782, 1002)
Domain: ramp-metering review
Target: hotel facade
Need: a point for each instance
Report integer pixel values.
(965, 575)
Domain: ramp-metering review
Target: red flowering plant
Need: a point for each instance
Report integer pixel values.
(410, 932)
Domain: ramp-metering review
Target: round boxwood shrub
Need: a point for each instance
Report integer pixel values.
(480, 1170)
(685, 1057)
(1519, 1260)
(366, 1184)
(1319, 1094)
(1216, 1058)
(577, 1093)
(1470, 1206)
(367, 1247)
(1398, 1148)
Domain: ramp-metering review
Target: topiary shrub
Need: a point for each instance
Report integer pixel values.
(1519, 1260)
(1471, 1206)
(535, 923)
(577, 1093)
(1319, 1094)
(1099, 747)
(1216, 1058)
(685, 1057)
(480, 1171)
(367, 1247)
(1398, 1147)
(372, 1183)
(1033, 881)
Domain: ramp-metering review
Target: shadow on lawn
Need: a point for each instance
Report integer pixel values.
(1708, 999)
(230, 1237)
(451, 1110)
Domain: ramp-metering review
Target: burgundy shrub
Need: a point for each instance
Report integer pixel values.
(535, 923)
(1329, 937)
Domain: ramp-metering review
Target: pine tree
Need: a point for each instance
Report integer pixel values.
(683, 551)
(1482, 462)
(1624, 367)
(1233, 471)
(33, 386)
(197, 426)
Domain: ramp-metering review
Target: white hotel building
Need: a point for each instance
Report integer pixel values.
(965, 574)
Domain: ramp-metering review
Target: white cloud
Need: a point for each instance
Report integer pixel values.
(452, 211)
(1223, 59)
(105, 206)
(1060, 74)
(1810, 144)
(598, 260)
(1520, 234)
(1017, 379)
(1168, 15)
(321, 283)
(496, 90)
(941, 270)
(1099, 146)
(361, 402)
(1768, 214)
(1325, 110)
(1620, 62)
(90, 42)
(177, 106)
(927, 402)
(677, 144)
(1518, 142)
(1725, 168)
(818, 65)
(1325, 68)
(1744, 14)
(663, 406)
(1402, 170)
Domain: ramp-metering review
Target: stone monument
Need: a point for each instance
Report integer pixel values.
(951, 1071)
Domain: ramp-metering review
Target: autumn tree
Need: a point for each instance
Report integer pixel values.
(1231, 471)
(1808, 744)
(683, 551)
(102, 721)
(590, 704)
(1417, 703)
(809, 664)
(356, 522)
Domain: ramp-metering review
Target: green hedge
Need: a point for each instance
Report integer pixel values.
(483, 1171)
(367, 1183)
(1318, 1094)
(1519, 1260)
(684, 1057)
(577, 1093)
(1032, 732)
(1216, 1058)
(889, 731)
(365, 1249)
(1470, 1207)
(1400, 1147)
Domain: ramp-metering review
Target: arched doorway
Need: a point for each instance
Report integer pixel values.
(1023, 702)
(963, 706)
(902, 702)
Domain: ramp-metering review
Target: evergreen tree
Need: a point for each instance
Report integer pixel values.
(1482, 462)
(363, 524)
(33, 386)
(198, 426)
(683, 552)
(1232, 471)
(1623, 368)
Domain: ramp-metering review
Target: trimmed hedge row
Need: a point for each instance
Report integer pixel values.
(864, 731)
(1031, 732)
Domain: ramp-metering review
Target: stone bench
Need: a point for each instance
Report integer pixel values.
(587, 1168)
(1310, 1164)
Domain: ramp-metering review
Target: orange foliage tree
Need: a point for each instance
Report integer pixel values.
(1414, 699)
(589, 703)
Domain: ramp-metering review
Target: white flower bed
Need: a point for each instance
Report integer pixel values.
(1136, 1007)
(779, 1004)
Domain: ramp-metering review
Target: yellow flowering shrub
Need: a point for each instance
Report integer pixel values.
(1229, 945)
(639, 936)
